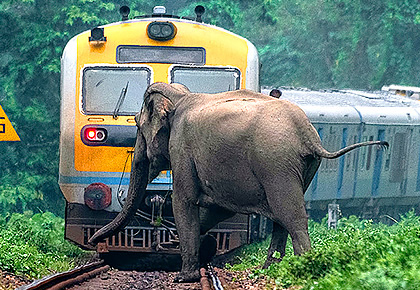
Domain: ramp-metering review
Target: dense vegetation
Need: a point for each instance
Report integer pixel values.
(358, 255)
(312, 43)
(34, 245)
(317, 43)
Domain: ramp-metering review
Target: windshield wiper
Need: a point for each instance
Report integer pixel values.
(120, 101)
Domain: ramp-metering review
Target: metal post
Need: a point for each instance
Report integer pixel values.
(333, 211)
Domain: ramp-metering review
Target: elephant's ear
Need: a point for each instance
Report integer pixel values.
(155, 107)
(159, 107)
(154, 126)
(154, 117)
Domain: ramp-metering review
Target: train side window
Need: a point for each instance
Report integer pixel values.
(354, 154)
(363, 152)
(387, 160)
(333, 148)
(207, 79)
(349, 157)
(348, 161)
(321, 136)
(369, 154)
(325, 163)
(387, 153)
(398, 157)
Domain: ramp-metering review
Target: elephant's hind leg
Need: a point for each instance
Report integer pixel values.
(288, 209)
(278, 244)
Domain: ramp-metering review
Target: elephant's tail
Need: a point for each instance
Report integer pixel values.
(331, 155)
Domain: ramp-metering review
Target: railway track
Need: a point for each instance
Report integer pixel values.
(210, 280)
(85, 274)
(69, 278)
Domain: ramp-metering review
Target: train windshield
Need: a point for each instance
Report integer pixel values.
(114, 90)
(207, 80)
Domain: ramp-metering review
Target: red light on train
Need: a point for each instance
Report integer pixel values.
(95, 134)
(98, 196)
(91, 134)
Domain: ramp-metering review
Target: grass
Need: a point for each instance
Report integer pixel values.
(357, 255)
(33, 245)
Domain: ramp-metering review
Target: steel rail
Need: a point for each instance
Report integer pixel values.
(66, 279)
(209, 279)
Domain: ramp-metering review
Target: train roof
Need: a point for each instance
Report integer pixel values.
(352, 106)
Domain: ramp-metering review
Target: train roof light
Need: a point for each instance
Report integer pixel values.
(97, 36)
(159, 10)
(161, 31)
(199, 11)
(124, 11)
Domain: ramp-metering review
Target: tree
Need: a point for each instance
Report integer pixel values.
(34, 35)
(318, 44)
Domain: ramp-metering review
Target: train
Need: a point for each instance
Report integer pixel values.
(104, 74)
(370, 183)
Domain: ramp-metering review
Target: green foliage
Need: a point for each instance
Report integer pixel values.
(339, 44)
(34, 34)
(317, 44)
(226, 14)
(34, 245)
(358, 255)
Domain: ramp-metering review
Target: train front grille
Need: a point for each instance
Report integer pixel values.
(150, 239)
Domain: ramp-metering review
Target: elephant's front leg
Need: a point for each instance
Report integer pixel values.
(186, 215)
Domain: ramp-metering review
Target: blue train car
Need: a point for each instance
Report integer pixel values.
(367, 182)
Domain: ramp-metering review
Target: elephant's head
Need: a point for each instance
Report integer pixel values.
(151, 153)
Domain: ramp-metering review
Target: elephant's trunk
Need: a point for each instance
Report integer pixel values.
(135, 195)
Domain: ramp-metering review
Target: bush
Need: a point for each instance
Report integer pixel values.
(34, 245)
(357, 255)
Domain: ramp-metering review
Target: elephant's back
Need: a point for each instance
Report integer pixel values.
(252, 120)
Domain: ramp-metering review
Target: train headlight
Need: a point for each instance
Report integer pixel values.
(97, 36)
(98, 196)
(92, 134)
(161, 31)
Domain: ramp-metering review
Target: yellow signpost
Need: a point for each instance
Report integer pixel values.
(7, 133)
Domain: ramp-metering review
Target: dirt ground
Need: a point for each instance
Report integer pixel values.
(157, 280)
(121, 280)
(10, 281)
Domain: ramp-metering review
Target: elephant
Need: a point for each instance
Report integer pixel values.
(230, 152)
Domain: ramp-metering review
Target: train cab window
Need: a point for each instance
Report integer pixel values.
(207, 80)
(114, 90)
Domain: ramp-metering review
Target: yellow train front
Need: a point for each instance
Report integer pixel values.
(105, 72)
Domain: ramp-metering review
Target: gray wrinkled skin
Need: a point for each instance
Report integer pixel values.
(233, 152)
